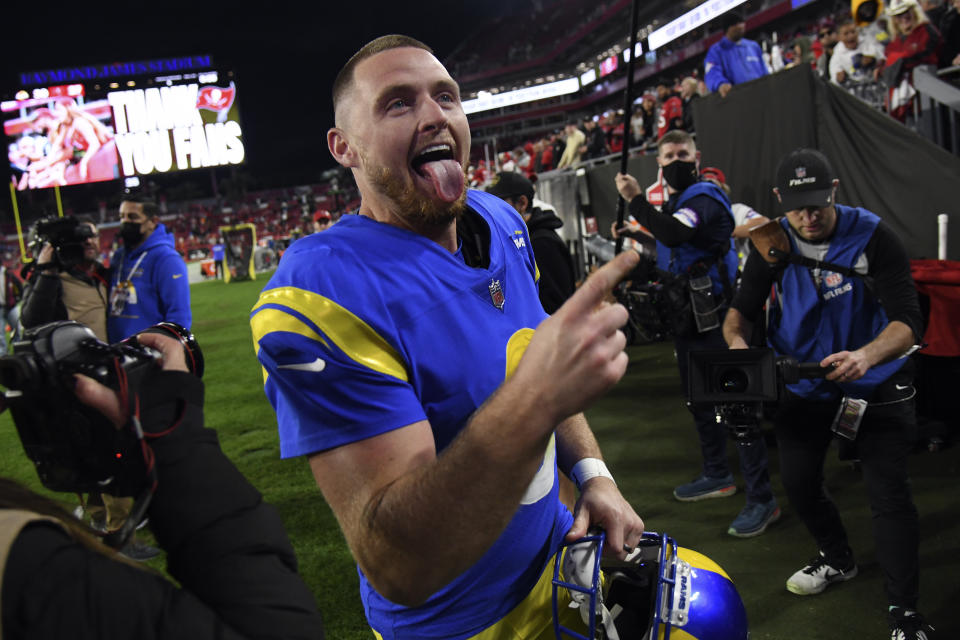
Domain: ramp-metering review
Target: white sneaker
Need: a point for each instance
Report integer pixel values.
(818, 575)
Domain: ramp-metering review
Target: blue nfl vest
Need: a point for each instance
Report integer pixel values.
(681, 258)
(810, 322)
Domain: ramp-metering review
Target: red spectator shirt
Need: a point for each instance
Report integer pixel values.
(671, 116)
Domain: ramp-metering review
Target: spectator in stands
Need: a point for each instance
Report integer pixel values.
(321, 221)
(802, 51)
(574, 140)
(914, 42)
(648, 109)
(688, 94)
(827, 43)
(556, 140)
(596, 145)
(950, 32)
(867, 15)
(935, 9)
(545, 156)
(671, 109)
(734, 59)
(551, 253)
(615, 133)
(854, 59)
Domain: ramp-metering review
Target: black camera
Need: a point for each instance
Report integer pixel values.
(74, 447)
(738, 382)
(65, 235)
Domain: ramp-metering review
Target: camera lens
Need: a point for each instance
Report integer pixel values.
(733, 380)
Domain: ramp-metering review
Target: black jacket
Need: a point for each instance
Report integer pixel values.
(225, 546)
(553, 259)
(596, 143)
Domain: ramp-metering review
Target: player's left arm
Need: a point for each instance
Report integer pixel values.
(173, 287)
(889, 269)
(600, 503)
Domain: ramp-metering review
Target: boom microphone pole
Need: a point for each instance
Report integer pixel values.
(627, 113)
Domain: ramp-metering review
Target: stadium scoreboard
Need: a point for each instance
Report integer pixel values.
(121, 121)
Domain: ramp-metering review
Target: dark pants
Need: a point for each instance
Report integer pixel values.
(882, 444)
(714, 436)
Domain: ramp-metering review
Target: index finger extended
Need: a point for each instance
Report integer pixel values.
(600, 283)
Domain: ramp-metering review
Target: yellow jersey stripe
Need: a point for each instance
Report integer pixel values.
(352, 335)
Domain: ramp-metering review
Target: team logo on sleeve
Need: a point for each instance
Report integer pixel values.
(496, 294)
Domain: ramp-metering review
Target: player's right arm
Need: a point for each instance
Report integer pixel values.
(415, 519)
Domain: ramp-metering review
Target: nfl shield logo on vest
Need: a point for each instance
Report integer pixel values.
(496, 294)
(833, 279)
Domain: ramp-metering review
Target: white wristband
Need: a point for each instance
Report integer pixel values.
(589, 468)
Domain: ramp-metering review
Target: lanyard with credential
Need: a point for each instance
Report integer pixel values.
(133, 270)
(122, 289)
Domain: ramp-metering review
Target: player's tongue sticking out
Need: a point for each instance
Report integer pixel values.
(446, 176)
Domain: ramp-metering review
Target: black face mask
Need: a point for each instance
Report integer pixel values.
(131, 234)
(680, 174)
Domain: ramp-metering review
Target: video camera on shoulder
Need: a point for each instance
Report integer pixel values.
(74, 447)
(65, 235)
(738, 382)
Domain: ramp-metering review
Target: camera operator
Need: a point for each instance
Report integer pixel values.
(845, 299)
(74, 288)
(226, 547)
(69, 283)
(696, 225)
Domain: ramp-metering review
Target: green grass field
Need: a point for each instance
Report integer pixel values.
(650, 445)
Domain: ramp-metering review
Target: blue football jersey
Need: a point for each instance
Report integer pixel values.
(367, 328)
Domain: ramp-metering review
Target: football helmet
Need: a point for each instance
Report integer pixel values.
(660, 592)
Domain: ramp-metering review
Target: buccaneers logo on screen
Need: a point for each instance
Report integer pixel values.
(216, 98)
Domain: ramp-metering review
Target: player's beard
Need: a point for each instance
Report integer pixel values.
(413, 206)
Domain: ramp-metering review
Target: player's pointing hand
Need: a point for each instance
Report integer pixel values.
(577, 353)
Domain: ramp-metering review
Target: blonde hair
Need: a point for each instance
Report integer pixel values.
(919, 17)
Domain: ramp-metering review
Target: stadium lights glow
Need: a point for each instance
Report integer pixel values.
(690, 21)
(41, 93)
(486, 100)
(22, 95)
(637, 49)
(588, 77)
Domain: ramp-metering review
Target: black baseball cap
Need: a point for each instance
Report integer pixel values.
(804, 179)
(510, 184)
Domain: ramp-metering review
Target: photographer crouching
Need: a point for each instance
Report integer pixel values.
(845, 299)
(136, 425)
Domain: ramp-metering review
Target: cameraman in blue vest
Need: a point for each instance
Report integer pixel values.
(694, 245)
(843, 297)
